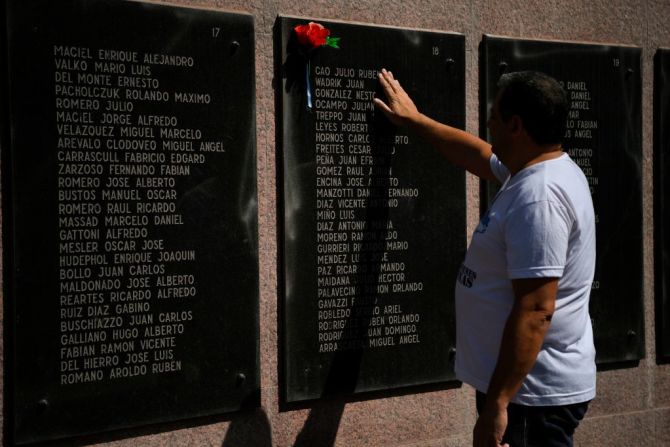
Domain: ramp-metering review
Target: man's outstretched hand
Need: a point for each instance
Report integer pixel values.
(459, 147)
(400, 108)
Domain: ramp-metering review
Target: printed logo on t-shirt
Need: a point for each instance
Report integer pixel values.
(466, 276)
(483, 223)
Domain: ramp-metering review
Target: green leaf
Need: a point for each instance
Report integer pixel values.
(333, 42)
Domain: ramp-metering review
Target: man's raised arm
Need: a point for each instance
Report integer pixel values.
(459, 147)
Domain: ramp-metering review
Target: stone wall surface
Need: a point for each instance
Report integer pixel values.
(633, 403)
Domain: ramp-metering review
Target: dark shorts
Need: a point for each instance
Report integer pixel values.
(540, 426)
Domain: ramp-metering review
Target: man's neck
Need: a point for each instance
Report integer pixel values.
(534, 155)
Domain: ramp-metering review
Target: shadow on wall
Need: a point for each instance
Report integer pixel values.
(320, 429)
(249, 429)
(321, 426)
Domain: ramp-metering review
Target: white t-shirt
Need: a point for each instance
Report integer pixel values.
(541, 224)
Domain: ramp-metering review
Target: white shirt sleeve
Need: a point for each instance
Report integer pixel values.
(536, 239)
(500, 171)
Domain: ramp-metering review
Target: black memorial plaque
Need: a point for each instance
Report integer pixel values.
(604, 137)
(374, 219)
(131, 253)
(661, 195)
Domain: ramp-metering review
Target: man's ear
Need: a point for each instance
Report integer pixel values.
(515, 125)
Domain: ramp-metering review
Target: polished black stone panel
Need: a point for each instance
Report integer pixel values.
(661, 196)
(373, 218)
(131, 253)
(604, 137)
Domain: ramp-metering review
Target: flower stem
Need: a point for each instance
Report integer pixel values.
(308, 69)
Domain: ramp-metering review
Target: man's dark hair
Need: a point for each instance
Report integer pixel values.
(540, 102)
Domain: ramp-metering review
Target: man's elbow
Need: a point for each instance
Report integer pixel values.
(541, 319)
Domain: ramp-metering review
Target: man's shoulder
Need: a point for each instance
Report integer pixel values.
(560, 175)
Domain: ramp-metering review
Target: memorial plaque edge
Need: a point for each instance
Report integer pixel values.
(660, 291)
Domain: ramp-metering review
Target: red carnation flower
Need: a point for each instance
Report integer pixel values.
(312, 35)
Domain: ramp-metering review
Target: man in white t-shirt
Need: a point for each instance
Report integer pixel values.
(524, 337)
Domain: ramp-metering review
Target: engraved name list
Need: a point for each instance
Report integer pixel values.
(362, 276)
(125, 291)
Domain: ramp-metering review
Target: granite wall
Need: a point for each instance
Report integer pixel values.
(633, 403)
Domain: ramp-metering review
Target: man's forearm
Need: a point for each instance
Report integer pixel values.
(458, 146)
(525, 329)
(521, 343)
